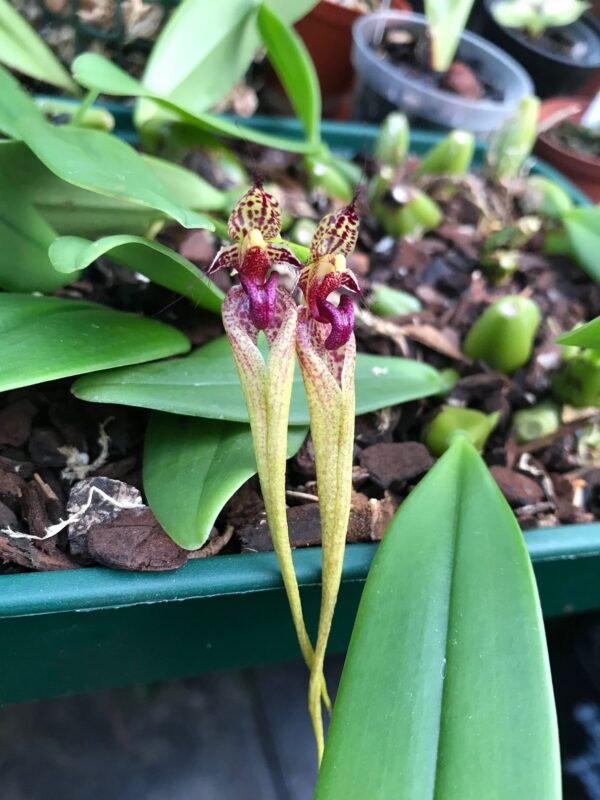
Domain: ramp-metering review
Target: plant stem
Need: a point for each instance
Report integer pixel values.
(88, 101)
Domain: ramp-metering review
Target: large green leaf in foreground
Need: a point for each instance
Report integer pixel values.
(24, 240)
(193, 466)
(44, 338)
(587, 335)
(206, 384)
(90, 159)
(159, 263)
(446, 691)
(71, 210)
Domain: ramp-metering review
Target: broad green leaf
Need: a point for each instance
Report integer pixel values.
(587, 335)
(583, 229)
(198, 70)
(193, 466)
(45, 338)
(25, 237)
(90, 159)
(446, 692)
(79, 212)
(292, 63)
(206, 384)
(24, 50)
(159, 263)
(96, 72)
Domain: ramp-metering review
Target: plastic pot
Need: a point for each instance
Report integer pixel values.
(582, 169)
(327, 34)
(88, 629)
(553, 73)
(382, 85)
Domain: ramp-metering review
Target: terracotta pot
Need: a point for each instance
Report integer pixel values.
(583, 170)
(327, 34)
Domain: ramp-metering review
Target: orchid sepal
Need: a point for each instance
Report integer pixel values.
(267, 387)
(329, 384)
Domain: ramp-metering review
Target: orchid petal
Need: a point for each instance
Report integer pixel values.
(336, 233)
(227, 258)
(329, 383)
(256, 210)
(280, 254)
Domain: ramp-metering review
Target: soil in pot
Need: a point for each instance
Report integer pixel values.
(49, 441)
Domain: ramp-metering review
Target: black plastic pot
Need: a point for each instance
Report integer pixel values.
(553, 73)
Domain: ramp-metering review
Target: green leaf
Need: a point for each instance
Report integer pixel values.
(90, 159)
(290, 59)
(446, 20)
(195, 70)
(159, 263)
(446, 691)
(98, 73)
(587, 335)
(79, 212)
(45, 338)
(24, 50)
(583, 229)
(193, 466)
(206, 384)
(24, 241)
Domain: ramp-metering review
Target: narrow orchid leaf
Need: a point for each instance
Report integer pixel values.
(288, 55)
(24, 50)
(96, 72)
(206, 384)
(46, 338)
(446, 692)
(157, 262)
(587, 335)
(583, 229)
(193, 466)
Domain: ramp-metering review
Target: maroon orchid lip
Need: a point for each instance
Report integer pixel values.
(261, 298)
(341, 319)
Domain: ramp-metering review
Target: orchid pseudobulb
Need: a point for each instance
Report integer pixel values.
(259, 304)
(327, 353)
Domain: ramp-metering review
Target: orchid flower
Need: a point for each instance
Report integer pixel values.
(327, 353)
(259, 304)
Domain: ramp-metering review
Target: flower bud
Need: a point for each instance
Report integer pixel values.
(387, 302)
(392, 143)
(578, 380)
(513, 143)
(535, 423)
(543, 196)
(452, 156)
(453, 421)
(503, 335)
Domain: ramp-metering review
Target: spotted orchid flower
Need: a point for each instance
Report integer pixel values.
(254, 223)
(327, 353)
(260, 304)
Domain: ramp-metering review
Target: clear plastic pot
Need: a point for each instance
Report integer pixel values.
(416, 96)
